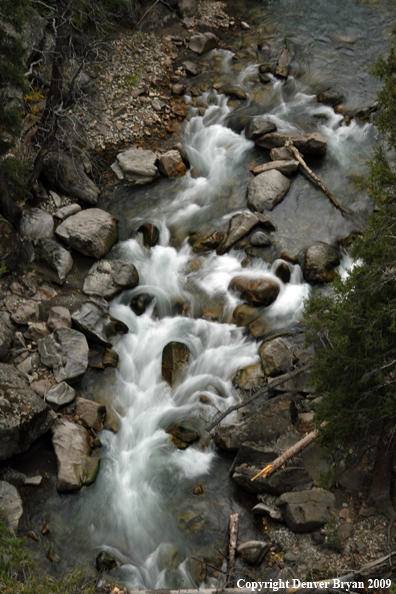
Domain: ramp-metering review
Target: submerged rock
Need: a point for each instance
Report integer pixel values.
(174, 359)
(266, 190)
(244, 314)
(330, 97)
(140, 303)
(183, 434)
(258, 291)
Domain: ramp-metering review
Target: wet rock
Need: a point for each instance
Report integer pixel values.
(60, 395)
(179, 147)
(244, 314)
(240, 225)
(261, 239)
(66, 352)
(254, 551)
(138, 166)
(140, 303)
(281, 154)
(151, 235)
(92, 232)
(105, 562)
(308, 144)
(11, 504)
(110, 358)
(59, 317)
(69, 175)
(35, 223)
(36, 331)
(259, 328)
(67, 211)
(72, 448)
(283, 272)
(54, 259)
(183, 434)
(287, 167)
(97, 324)
(26, 312)
(276, 357)
(209, 242)
(92, 413)
(191, 68)
(178, 89)
(266, 190)
(330, 97)
(283, 66)
(201, 43)
(320, 261)
(180, 110)
(6, 338)
(257, 291)
(110, 277)
(24, 416)
(174, 359)
(10, 245)
(306, 511)
(249, 378)
(235, 93)
(187, 8)
(283, 481)
(258, 127)
(171, 165)
(212, 313)
(199, 490)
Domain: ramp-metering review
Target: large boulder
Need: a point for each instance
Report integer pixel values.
(92, 413)
(58, 317)
(174, 359)
(35, 223)
(110, 277)
(244, 314)
(320, 261)
(240, 225)
(23, 415)
(276, 357)
(60, 395)
(94, 320)
(171, 165)
(201, 43)
(266, 190)
(257, 291)
(91, 232)
(11, 504)
(138, 166)
(283, 66)
(306, 511)
(308, 144)
(258, 127)
(72, 448)
(69, 175)
(10, 245)
(53, 259)
(26, 312)
(66, 352)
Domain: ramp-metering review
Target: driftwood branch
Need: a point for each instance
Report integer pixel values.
(258, 394)
(234, 523)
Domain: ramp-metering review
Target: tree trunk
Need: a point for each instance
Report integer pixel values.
(8, 208)
(380, 493)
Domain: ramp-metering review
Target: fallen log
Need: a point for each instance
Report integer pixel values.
(262, 392)
(234, 522)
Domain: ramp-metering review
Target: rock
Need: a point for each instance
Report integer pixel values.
(287, 167)
(345, 531)
(249, 378)
(60, 395)
(281, 154)
(196, 569)
(92, 232)
(151, 235)
(254, 551)
(97, 324)
(283, 272)
(283, 481)
(266, 190)
(212, 313)
(306, 511)
(56, 261)
(259, 328)
(283, 66)
(110, 358)
(187, 8)
(69, 175)
(320, 261)
(72, 448)
(6, 338)
(244, 314)
(110, 277)
(66, 352)
(10, 245)
(41, 387)
(200, 43)
(35, 223)
(330, 97)
(36, 330)
(56, 198)
(191, 68)
(264, 510)
(235, 93)
(26, 312)
(140, 303)
(179, 110)
(67, 211)
(137, 166)
(258, 127)
(245, 26)
(178, 89)
(104, 562)
(58, 317)
(240, 225)
(257, 291)
(171, 165)
(261, 239)
(183, 434)
(33, 481)
(276, 357)
(174, 358)
(308, 144)
(23, 415)
(11, 504)
(92, 413)
(209, 242)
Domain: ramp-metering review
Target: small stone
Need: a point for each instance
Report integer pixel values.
(32, 535)
(198, 489)
(344, 514)
(245, 26)
(58, 317)
(345, 531)
(110, 358)
(33, 481)
(45, 529)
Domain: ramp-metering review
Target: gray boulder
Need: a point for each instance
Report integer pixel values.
(60, 395)
(306, 511)
(257, 127)
(240, 225)
(320, 261)
(137, 166)
(23, 415)
(67, 211)
(308, 144)
(253, 551)
(66, 352)
(35, 223)
(97, 324)
(201, 43)
(261, 239)
(72, 448)
(171, 165)
(58, 317)
(92, 413)
(26, 312)
(10, 245)
(69, 175)
(92, 232)
(110, 277)
(276, 357)
(266, 190)
(330, 97)
(11, 504)
(191, 68)
(175, 357)
(53, 259)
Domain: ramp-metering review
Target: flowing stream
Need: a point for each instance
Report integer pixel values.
(142, 509)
